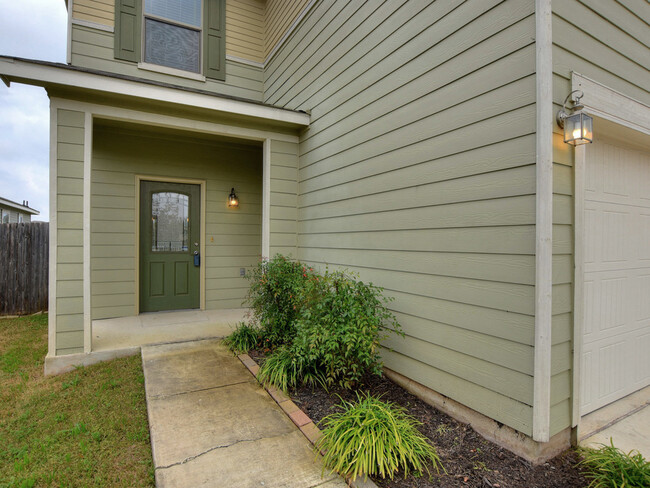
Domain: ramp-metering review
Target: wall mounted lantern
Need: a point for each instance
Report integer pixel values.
(233, 201)
(578, 126)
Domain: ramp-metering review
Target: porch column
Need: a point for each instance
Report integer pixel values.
(69, 299)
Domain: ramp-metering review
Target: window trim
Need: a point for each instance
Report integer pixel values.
(168, 69)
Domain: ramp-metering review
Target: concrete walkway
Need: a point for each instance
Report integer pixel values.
(212, 425)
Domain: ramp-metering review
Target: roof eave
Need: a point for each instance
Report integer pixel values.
(52, 75)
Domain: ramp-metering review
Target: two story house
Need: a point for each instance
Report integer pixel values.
(414, 142)
(13, 212)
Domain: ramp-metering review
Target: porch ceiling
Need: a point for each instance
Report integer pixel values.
(59, 77)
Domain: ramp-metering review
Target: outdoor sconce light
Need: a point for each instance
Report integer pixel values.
(578, 127)
(233, 201)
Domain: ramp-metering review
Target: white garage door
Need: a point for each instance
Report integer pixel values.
(616, 343)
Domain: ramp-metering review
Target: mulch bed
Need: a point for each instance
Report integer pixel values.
(470, 460)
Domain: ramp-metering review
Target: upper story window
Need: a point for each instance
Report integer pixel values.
(4, 216)
(172, 33)
(179, 35)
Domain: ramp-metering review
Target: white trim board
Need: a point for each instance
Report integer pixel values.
(608, 104)
(543, 223)
(87, 292)
(47, 76)
(51, 318)
(168, 121)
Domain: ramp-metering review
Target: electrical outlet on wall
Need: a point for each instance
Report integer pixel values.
(242, 272)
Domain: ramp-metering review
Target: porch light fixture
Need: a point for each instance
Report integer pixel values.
(233, 201)
(578, 126)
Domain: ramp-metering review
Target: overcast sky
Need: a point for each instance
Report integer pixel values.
(34, 29)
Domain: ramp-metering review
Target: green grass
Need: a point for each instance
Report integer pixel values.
(609, 467)
(372, 437)
(84, 428)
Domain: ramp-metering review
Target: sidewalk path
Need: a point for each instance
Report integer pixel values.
(212, 425)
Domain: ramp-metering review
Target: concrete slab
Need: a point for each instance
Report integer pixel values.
(213, 425)
(163, 327)
(630, 433)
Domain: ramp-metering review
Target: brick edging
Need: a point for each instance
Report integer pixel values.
(297, 416)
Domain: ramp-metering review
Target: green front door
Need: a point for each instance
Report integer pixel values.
(169, 246)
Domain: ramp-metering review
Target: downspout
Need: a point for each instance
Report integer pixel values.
(543, 221)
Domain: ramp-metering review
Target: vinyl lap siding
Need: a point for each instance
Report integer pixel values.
(279, 16)
(233, 237)
(245, 29)
(607, 42)
(96, 11)
(69, 222)
(93, 48)
(418, 173)
(284, 198)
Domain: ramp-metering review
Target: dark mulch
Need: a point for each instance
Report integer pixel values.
(470, 460)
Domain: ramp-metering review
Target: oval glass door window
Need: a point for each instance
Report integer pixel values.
(170, 222)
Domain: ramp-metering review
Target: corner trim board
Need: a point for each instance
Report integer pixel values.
(51, 319)
(266, 199)
(87, 293)
(543, 222)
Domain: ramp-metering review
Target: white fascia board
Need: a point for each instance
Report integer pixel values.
(44, 75)
(9, 203)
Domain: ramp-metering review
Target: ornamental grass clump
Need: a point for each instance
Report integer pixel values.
(375, 438)
(242, 339)
(285, 370)
(609, 467)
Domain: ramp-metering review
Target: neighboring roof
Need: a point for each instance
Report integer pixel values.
(49, 74)
(10, 203)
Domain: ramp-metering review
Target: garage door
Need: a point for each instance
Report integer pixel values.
(616, 343)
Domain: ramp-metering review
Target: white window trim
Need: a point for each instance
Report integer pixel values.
(159, 68)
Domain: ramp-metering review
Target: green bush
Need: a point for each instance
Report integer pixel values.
(371, 437)
(242, 339)
(275, 297)
(340, 327)
(609, 467)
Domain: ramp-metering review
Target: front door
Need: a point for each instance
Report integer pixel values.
(169, 246)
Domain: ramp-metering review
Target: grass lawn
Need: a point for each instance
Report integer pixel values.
(84, 428)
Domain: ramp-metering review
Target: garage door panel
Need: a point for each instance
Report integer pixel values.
(616, 280)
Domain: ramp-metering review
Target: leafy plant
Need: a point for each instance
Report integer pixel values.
(242, 339)
(340, 326)
(275, 296)
(284, 370)
(609, 467)
(372, 437)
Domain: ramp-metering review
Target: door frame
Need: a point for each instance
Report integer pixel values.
(628, 115)
(202, 233)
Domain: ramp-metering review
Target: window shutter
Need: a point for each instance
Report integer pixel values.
(214, 40)
(127, 29)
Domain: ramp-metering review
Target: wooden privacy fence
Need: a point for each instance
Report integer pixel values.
(24, 259)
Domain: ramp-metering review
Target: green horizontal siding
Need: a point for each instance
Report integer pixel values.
(93, 48)
(607, 42)
(418, 173)
(69, 221)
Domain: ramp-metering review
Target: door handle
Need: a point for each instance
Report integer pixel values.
(197, 258)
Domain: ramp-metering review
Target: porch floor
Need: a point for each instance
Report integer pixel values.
(163, 327)
(626, 421)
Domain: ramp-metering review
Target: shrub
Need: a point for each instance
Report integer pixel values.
(275, 297)
(284, 370)
(609, 467)
(340, 327)
(242, 339)
(371, 437)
